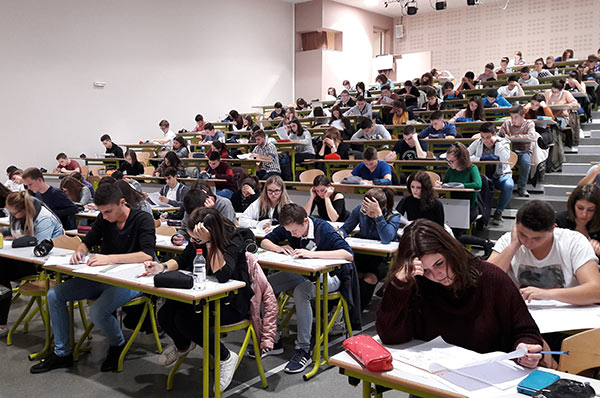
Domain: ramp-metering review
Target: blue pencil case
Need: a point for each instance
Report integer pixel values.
(536, 381)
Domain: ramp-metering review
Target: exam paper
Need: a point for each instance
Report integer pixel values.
(282, 133)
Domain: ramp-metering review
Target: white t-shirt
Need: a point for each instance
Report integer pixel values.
(570, 250)
(170, 135)
(172, 193)
(506, 92)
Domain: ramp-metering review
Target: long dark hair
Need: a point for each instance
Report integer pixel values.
(131, 153)
(590, 193)
(174, 161)
(428, 195)
(133, 198)
(423, 237)
(72, 188)
(220, 229)
(479, 113)
(460, 152)
(4, 192)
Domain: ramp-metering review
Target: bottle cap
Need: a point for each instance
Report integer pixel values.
(198, 251)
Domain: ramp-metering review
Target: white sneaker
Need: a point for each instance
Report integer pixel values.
(4, 331)
(227, 370)
(171, 354)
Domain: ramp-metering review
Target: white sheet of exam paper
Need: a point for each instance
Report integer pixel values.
(282, 133)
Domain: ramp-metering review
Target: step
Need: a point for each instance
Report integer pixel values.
(581, 158)
(589, 149)
(590, 141)
(558, 190)
(568, 149)
(595, 133)
(563, 178)
(559, 203)
(591, 126)
(575, 167)
(495, 232)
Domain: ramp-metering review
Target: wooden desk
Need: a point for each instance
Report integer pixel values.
(163, 242)
(144, 147)
(489, 112)
(482, 91)
(4, 221)
(250, 164)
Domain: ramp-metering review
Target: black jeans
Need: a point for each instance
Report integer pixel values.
(181, 322)
(12, 270)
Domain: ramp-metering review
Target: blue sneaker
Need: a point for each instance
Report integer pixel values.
(299, 362)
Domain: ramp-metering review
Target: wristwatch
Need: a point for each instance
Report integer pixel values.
(165, 268)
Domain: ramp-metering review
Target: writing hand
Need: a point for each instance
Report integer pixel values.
(532, 358)
(98, 259)
(286, 249)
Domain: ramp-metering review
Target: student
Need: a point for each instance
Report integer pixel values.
(371, 169)
(474, 112)
(488, 73)
(558, 96)
(307, 237)
(450, 93)
(304, 150)
(332, 145)
(435, 287)
(131, 166)
(421, 201)
(170, 160)
(249, 123)
(173, 191)
(467, 82)
(331, 94)
(4, 192)
(268, 205)
(210, 134)
(290, 114)
(347, 86)
(134, 198)
(540, 71)
(180, 147)
(362, 108)
(370, 131)
(545, 262)
(411, 94)
(386, 98)
(267, 154)
(549, 65)
(27, 217)
(378, 221)
(399, 114)
(248, 193)
(301, 104)
(111, 148)
(438, 128)
(518, 59)
(15, 180)
(494, 100)
(75, 190)
(583, 214)
(336, 117)
(491, 147)
(235, 117)
(53, 197)
(503, 68)
(382, 80)
(125, 236)
(443, 76)
(199, 119)
(433, 102)
(278, 112)
(518, 127)
(168, 135)
(218, 147)
(512, 89)
(361, 90)
(567, 55)
(409, 147)
(573, 83)
(329, 203)
(537, 107)
(426, 80)
(66, 165)
(526, 78)
(221, 169)
(224, 250)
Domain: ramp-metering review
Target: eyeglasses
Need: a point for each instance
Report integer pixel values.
(273, 191)
(195, 240)
(450, 161)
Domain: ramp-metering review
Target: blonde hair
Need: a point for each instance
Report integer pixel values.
(264, 204)
(22, 201)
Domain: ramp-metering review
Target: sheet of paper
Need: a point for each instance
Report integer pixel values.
(306, 262)
(154, 199)
(58, 260)
(500, 374)
(244, 156)
(563, 318)
(370, 244)
(282, 133)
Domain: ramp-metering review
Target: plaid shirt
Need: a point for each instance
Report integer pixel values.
(268, 150)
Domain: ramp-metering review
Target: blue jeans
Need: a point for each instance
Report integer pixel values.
(107, 299)
(505, 184)
(524, 163)
(304, 291)
(225, 193)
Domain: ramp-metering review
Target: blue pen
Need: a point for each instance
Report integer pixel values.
(554, 352)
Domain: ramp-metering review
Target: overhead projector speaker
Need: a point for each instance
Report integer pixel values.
(440, 5)
(473, 2)
(411, 10)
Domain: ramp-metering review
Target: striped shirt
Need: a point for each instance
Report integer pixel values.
(268, 150)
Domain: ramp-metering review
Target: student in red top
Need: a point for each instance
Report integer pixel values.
(199, 124)
(66, 165)
(220, 148)
(221, 170)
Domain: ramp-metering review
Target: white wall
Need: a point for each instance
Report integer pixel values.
(159, 59)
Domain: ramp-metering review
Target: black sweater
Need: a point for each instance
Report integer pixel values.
(410, 206)
(240, 204)
(131, 169)
(339, 205)
(61, 205)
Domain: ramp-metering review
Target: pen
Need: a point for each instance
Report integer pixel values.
(554, 352)
(143, 274)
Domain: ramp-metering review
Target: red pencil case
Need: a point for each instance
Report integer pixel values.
(83, 229)
(369, 353)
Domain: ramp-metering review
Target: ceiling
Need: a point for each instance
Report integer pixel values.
(394, 8)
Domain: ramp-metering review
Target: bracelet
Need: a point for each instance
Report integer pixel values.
(165, 268)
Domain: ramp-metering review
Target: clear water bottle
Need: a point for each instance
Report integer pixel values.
(556, 71)
(199, 268)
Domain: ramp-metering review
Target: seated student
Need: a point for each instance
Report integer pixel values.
(173, 191)
(224, 250)
(450, 93)
(66, 165)
(267, 154)
(433, 102)
(235, 117)
(371, 170)
(558, 96)
(518, 59)
(111, 148)
(27, 217)
(370, 131)
(345, 100)
(386, 98)
(246, 195)
(199, 119)
(546, 262)
(362, 108)
(526, 78)
(131, 166)
(125, 236)
(290, 114)
(503, 68)
(336, 117)
(467, 82)
(248, 123)
(180, 147)
(117, 175)
(75, 190)
(301, 104)
(411, 94)
(4, 192)
(361, 90)
(377, 220)
(221, 169)
(304, 150)
(537, 107)
(583, 214)
(518, 127)
(398, 115)
(494, 100)
(488, 73)
(170, 160)
(268, 205)
(512, 89)
(53, 197)
(347, 86)
(210, 134)
(134, 198)
(491, 147)
(438, 128)
(307, 237)
(472, 113)
(331, 94)
(549, 64)
(426, 80)
(540, 71)
(407, 148)
(278, 112)
(435, 287)
(329, 203)
(332, 145)
(443, 76)
(567, 55)
(382, 80)
(421, 201)
(168, 135)
(573, 83)
(15, 180)
(218, 147)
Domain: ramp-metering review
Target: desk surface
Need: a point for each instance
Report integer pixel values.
(288, 263)
(357, 186)
(26, 253)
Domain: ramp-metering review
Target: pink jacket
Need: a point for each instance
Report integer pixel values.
(265, 327)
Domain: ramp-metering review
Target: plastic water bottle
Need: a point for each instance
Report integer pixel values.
(556, 71)
(199, 268)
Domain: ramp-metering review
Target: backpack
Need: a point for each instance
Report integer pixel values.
(249, 239)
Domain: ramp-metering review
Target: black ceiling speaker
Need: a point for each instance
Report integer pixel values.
(440, 5)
